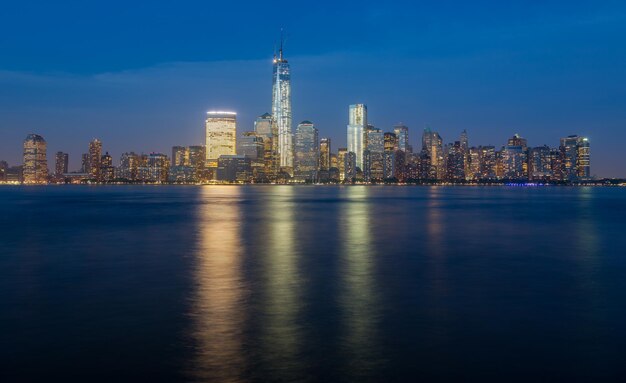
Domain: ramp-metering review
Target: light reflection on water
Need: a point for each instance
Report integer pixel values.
(217, 311)
(281, 283)
(358, 298)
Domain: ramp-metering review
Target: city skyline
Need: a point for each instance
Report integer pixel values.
(487, 89)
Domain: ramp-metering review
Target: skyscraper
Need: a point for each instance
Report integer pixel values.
(389, 156)
(341, 163)
(576, 158)
(325, 154)
(265, 126)
(35, 170)
(432, 145)
(375, 154)
(281, 108)
(107, 171)
(307, 151)
(61, 164)
(197, 160)
(357, 121)
(180, 156)
(95, 156)
(221, 135)
(402, 135)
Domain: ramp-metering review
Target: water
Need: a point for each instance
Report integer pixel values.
(281, 283)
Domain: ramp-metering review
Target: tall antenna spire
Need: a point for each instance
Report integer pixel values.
(281, 44)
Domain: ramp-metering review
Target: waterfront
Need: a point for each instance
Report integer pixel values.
(311, 283)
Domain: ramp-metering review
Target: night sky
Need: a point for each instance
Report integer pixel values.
(141, 75)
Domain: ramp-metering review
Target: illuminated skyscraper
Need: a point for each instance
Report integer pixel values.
(514, 158)
(158, 167)
(575, 157)
(95, 156)
(265, 126)
(281, 108)
(221, 136)
(197, 160)
(432, 145)
(325, 154)
(455, 162)
(402, 135)
(307, 151)
(61, 164)
(129, 164)
(539, 163)
(107, 171)
(180, 156)
(341, 163)
(488, 162)
(35, 170)
(374, 154)
(357, 121)
(389, 156)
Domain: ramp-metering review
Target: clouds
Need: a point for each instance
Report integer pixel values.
(542, 70)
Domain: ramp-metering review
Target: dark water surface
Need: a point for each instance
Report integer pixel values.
(281, 283)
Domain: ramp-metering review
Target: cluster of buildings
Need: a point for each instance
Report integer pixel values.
(273, 153)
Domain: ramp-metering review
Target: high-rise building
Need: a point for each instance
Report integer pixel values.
(107, 171)
(265, 126)
(456, 162)
(307, 151)
(576, 158)
(221, 135)
(488, 162)
(95, 155)
(325, 154)
(390, 143)
(432, 144)
(375, 154)
(514, 158)
(129, 165)
(357, 121)
(349, 167)
(180, 156)
(158, 167)
(84, 163)
(473, 165)
(35, 169)
(402, 135)
(281, 108)
(341, 163)
(61, 165)
(197, 160)
(251, 145)
(540, 163)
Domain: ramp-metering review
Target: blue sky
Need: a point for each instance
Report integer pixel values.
(140, 75)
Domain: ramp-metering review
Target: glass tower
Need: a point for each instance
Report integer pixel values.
(357, 121)
(307, 151)
(281, 108)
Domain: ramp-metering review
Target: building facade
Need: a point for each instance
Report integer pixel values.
(281, 108)
(221, 135)
(307, 152)
(357, 121)
(35, 167)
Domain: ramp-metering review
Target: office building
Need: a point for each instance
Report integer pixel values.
(357, 121)
(35, 167)
(221, 135)
(307, 152)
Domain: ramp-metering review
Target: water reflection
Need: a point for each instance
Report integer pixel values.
(359, 295)
(281, 334)
(217, 306)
